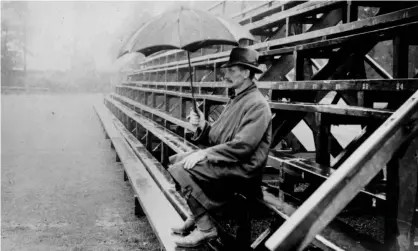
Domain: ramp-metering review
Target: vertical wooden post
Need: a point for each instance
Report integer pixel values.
(138, 209)
(322, 140)
(215, 73)
(400, 57)
(148, 141)
(395, 173)
(164, 154)
(153, 100)
(287, 27)
(350, 12)
(137, 127)
(299, 63)
(182, 108)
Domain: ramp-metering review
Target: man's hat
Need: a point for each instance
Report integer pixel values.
(245, 57)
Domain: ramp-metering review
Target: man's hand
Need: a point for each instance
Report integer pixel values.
(194, 158)
(197, 120)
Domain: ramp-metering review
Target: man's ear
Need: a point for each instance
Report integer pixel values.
(247, 73)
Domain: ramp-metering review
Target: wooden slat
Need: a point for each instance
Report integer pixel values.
(381, 34)
(158, 130)
(304, 107)
(379, 69)
(156, 112)
(308, 8)
(333, 238)
(370, 24)
(160, 175)
(303, 167)
(335, 193)
(344, 85)
(151, 198)
(333, 233)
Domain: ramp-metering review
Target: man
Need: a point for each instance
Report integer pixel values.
(237, 149)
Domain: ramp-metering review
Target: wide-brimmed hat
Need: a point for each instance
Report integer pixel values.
(245, 57)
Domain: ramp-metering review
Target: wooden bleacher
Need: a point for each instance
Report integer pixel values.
(154, 101)
(149, 198)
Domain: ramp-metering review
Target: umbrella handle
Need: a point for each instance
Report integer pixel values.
(191, 84)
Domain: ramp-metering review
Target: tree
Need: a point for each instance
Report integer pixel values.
(13, 38)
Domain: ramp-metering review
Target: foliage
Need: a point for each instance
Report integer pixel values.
(13, 34)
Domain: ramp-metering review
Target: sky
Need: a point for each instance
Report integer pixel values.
(62, 34)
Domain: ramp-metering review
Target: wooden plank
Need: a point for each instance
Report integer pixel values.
(334, 234)
(380, 21)
(303, 107)
(255, 13)
(159, 131)
(302, 167)
(151, 198)
(335, 193)
(379, 69)
(380, 34)
(399, 84)
(332, 238)
(153, 111)
(160, 175)
(306, 9)
(370, 24)
(322, 140)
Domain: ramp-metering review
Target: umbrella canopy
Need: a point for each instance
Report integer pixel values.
(187, 29)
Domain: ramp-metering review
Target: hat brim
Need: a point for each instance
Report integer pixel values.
(248, 66)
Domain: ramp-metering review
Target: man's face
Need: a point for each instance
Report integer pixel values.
(235, 76)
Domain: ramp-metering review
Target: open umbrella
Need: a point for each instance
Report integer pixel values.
(187, 29)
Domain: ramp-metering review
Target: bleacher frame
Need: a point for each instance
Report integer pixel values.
(294, 35)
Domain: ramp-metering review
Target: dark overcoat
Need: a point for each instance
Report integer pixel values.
(237, 143)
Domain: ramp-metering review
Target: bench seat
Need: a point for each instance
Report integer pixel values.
(158, 209)
(332, 234)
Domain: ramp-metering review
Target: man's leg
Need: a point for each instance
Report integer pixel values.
(205, 230)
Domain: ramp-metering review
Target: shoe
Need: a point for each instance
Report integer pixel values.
(185, 228)
(196, 238)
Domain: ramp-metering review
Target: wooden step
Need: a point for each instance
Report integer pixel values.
(158, 209)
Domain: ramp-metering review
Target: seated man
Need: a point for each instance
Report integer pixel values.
(237, 143)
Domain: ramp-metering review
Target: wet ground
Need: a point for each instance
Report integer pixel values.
(61, 188)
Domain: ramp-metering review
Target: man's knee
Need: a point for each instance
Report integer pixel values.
(175, 169)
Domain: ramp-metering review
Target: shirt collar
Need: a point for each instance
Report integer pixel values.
(232, 93)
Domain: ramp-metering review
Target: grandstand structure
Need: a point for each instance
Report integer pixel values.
(341, 78)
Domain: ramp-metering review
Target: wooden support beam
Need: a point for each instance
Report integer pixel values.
(400, 69)
(148, 141)
(378, 68)
(400, 57)
(335, 193)
(322, 140)
(306, 9)
(158, 113)
(370, 24)
(299, 65)
(156, 148)
(302, 107)
(350, 12)
(341, 85)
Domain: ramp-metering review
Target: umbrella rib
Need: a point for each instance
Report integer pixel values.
(222, 21)
(202, 39)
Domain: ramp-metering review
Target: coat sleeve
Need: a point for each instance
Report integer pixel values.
(201, 136)
(253, 126)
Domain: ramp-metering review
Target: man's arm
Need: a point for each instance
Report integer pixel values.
(201, 135)
(253, 126)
